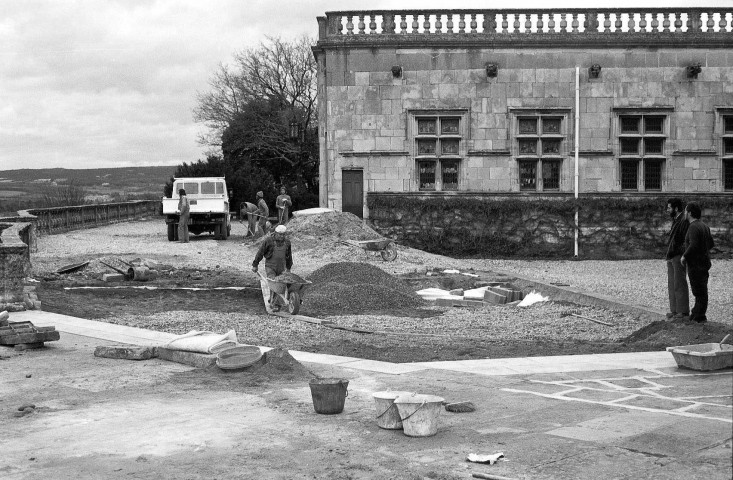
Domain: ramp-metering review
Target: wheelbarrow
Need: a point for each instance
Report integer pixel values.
(384, 246)
(288, 288)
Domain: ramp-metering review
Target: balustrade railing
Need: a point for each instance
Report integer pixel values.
(536, 23)
(61, 219)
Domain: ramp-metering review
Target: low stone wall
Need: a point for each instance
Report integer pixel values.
(506, 225)
(15, 262)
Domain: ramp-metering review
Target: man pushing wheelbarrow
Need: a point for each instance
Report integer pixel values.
(277, 252)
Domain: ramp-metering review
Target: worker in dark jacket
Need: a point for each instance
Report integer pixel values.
(679, 297)
(184, 211)
(278, 255)
(696, 258)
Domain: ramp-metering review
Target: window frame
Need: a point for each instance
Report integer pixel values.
(725, 121)
(645, 160)
(441, 161)
(541, 137)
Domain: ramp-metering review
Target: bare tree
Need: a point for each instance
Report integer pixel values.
(63, 195)
(276, 71)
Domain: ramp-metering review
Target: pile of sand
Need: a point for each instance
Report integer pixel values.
(354, 288)
(331, 224)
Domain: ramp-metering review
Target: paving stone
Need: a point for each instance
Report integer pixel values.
(113, 277)
(126, 352)
(493, 297)
(194, 359)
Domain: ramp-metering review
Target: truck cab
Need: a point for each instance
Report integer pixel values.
(209, 200)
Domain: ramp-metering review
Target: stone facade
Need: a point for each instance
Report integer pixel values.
(457, 102)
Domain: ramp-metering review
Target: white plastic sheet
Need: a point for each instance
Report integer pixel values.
(532, 298)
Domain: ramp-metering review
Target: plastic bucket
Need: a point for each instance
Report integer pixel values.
(419, 414)
(329, 394)
(388, 417)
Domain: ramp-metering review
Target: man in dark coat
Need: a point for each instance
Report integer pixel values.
(679, 298)
(696, 258)
(278, 255)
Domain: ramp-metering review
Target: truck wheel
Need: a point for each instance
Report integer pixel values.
(171, 232)
(229, 230)
(224, 229)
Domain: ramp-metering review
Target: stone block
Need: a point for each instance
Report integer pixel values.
(126, 352)
(194, 359)
(491, 296)
(29, 337)
(113, 277)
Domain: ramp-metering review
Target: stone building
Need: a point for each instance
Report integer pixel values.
(524, 104)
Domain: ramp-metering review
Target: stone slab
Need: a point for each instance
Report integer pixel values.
(31, 337)
(194, 359)
(113, 277)
(126, 352)
(494, 297)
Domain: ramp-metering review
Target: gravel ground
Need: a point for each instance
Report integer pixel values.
(440, 334)
(634, 281)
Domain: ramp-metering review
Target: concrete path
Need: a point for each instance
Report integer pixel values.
(487, 367)
(621, 416)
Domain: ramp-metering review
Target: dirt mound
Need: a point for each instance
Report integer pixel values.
(671, 334)
(351, 288)
(332, 224)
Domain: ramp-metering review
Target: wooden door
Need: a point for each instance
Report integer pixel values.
(352, 192)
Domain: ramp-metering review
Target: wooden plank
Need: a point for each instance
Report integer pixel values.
(592, 320)
(265, 287)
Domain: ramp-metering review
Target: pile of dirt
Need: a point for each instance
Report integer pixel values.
(671, 334)
(352, 288)
(332, 225)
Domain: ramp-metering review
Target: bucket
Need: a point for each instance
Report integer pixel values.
(329, 394)
(419, 414)
(141, 274)
(387, 415)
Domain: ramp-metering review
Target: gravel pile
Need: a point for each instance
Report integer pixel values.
(332, 225)
(350, 288)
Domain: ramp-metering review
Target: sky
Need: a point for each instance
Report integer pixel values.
(113, 83)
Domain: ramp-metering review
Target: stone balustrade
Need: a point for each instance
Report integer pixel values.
(537, 24)
(61, 219)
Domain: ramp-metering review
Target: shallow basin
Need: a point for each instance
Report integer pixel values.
(703, 356)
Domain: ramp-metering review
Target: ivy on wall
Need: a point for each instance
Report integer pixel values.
(496, 226)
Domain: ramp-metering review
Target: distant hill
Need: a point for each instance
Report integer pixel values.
(131, 177)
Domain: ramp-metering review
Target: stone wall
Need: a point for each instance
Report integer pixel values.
(15, 264)
(503, 226)
(367, 113)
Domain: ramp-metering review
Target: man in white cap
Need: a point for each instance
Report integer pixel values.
(276, 251)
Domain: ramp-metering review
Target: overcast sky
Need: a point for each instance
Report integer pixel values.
(112, 83)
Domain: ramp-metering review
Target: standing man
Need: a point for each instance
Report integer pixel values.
(696, 258)
(283, 204)
(679, 298)
(263, 213)
(184, 210)
(278, 256)
(249, 209)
